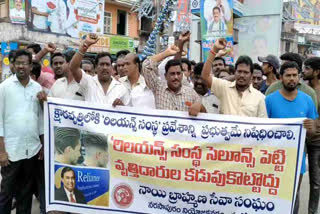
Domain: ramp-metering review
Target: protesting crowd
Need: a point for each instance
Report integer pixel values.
(288, 87)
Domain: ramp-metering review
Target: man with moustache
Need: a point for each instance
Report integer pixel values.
(257, 76)
(68, 192)
(141, 95)
(311, 73)
(120, 62)
(102, 88)
(66, 87)
(21, 145)
(293, 57)
(57, 62)
(172, 95)
(289, 102)
(237, 97)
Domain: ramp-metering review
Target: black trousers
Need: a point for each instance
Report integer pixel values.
(314, 177)
(18, 178)
(40, 185)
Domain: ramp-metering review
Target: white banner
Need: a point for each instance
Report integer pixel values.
(138, 161)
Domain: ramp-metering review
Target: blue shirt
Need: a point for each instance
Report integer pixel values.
(301, 106)
(21, 118)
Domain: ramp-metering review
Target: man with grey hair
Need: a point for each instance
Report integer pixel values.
(67, 145)
(96, 147)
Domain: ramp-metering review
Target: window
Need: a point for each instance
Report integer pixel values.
(122, 22)
(107, 22)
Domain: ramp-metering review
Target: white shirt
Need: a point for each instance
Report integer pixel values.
(17, 15)
(62, 89)
(211, 103)
(210, 4)
(69, 195)
(40, 21)
(217, 29)
(21, 118)
(72, 24)
(162, 72)
(58, 17)
(141, 95)
(93, 91)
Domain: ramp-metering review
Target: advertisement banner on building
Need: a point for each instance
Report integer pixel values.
(17, 11)
(262, 7)
(112, 44)
(103, 44)
(306, 11)
(183, 20)
(216, 22)
(156, 161)
(5, 49)
(66, 17)
(118, 43)
(258, 36)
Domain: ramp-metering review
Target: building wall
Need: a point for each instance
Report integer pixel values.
(4, 10)
(132, 19)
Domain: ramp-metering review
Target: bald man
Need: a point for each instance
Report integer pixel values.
(141, 95)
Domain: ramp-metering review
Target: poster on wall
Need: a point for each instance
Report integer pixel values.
(183, 21)
(112, 44)
(258, 36)
(5, 49)
(216, 22)
(17, 11)
(66, 17)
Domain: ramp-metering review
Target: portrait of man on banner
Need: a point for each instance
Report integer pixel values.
(17, 11)
(96, 149)
(218, 15)
(217, 22)
(68, 191)
(67, 145)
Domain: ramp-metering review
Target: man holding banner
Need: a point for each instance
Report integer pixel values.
(173, 95)
(289, 102)
(21, 136)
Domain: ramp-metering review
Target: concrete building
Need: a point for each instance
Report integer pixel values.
(300, 36)
(118, 21)
(121, 29)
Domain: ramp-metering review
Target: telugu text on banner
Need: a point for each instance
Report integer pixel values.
(128, 160)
